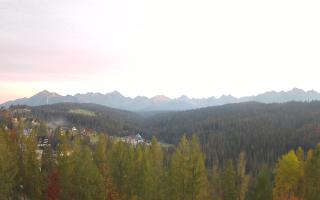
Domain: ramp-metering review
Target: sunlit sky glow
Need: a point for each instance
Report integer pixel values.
(147, 47)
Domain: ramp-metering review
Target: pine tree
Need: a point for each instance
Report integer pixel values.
(15, 144)
(262, 186)
(101, 160)
(187, 173)
(312, 176)
(180, 171)
(88, 182)
(198, 181)
(154, 172)
(121, 157)
(137, 173)
(302, 160)
(8, 169)
(66, 167)
(229, 182)
(242, 178)
(31, 171)
(216, 183)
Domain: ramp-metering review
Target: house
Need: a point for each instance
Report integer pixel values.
(133, 139)
(27, 131)
(15, 120)
(35, 122)
(43, 141)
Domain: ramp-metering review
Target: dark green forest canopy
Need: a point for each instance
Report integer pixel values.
(263, 131)
(238, 151)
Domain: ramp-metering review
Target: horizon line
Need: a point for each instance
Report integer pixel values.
(165, 96)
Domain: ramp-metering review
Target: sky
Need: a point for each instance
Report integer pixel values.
(198, 48)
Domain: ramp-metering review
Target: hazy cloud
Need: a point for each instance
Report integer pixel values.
(173, 47)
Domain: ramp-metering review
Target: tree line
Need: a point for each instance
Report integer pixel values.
(223, 131)
(113, 170)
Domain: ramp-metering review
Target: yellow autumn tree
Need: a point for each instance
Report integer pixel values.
(288, 174)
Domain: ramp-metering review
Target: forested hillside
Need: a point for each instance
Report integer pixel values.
(263, 131)
(223, 131)
(108, 169)
(92, 116)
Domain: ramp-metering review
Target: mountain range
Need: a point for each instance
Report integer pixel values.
(161, 102)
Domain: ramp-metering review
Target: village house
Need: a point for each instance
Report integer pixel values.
(27, 132)
(133, 139)
(74, 129)
(43, 141)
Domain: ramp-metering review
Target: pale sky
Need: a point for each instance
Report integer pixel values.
(199, 48)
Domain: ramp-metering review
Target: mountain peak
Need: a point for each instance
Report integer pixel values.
(160, 98)
(160, 102)
(115, 93)
(45, 93)
(297, 90)
(183, 98)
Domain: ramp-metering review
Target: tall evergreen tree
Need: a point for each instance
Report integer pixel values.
(198, 180)
(121, 157)
(31, 178)
(216, 183)
(180, 171)
(187, 173)
(229, 182)
(312, 176)
(88, 182)
(154, 172)
(242, 178)
(66, 167)
(8, 169)
(262, 186)
(101, 160)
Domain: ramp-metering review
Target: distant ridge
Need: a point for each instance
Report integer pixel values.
(160, 102)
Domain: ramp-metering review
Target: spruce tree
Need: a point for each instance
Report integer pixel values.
(312, 176)
(262, 186)
(230, 191)
(242, 178)
(180, 171)
(154, 172)
(198, 180)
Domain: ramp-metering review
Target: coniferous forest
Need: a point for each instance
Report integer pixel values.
(77, 163)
